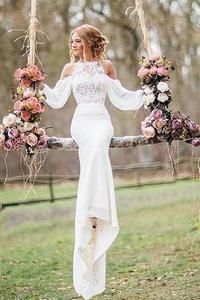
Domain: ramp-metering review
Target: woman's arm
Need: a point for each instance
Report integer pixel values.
(121, 97)
(58, 96)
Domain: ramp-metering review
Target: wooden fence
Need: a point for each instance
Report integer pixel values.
(137, 169)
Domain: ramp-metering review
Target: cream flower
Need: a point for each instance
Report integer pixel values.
(2, 138)
(149, 98)
(1, 128)
(149, 132)
(162, 97)
(28, 126)
(162, 86)
(31, 139)
(9, 120)
(147, 90)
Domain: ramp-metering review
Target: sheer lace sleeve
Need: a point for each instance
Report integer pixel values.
(121, 97)
(58, 96)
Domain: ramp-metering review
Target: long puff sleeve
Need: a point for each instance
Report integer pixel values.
(121, 97)
(58, 96)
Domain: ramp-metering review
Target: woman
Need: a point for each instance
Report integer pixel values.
(91, 77)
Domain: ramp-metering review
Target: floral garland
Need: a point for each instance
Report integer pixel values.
(21, 126)
(160, 122)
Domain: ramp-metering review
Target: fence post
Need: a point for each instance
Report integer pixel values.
(52, 198)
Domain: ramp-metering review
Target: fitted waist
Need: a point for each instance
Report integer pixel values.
(91, 108)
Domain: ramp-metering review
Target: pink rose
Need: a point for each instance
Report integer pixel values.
(159, 123)
(161, 71)
(32, 70)
(40, 131)
(42, 143)
(13, 132)
(153, 70)
(143, 72)
(39, 76)
(156, 113)
(19, 73)
(193, 126)
(18, 105)
(8, 145)
(31, 139)
(25, 115)
(37, 108)
(196, 142)
(149, 132)
(28, 94)
(34, 104)
(25, 82)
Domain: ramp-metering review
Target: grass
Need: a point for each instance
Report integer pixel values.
(155, 257)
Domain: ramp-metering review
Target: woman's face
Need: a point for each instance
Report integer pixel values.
(76, 45)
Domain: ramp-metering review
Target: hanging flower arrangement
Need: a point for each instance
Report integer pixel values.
(161, 122)
(20, 128)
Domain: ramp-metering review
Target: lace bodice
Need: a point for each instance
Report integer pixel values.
(88, 83)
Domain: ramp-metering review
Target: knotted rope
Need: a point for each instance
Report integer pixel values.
(137, 10)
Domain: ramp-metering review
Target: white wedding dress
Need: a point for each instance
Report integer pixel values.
(91, 128)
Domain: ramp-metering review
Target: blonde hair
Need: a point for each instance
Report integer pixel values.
(92, 39)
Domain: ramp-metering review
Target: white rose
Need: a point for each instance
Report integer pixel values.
(162, 97)
(149, 98)
(28, 126)
(147, 90)
(162, 87)
(18, 120)
(9, 120)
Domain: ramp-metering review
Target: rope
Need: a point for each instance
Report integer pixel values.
(138, 10)
(32, 32)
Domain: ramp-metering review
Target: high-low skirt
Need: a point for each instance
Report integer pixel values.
(92, 130)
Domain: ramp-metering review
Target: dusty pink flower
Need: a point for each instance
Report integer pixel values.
(32, 103)
(18, 105)
(39, 76)
(13, 132)
(153, 70)
(42, 142)
(177, 124)
(28, 94)
(40, 131)
(25, 115)
(19, 73)
(193, 126)
(25, 82)
(159, 123)
(156, 113)
(149, 132)
(143, 72)
(8, 145)
(161, 71)
(31, 139)
(196, 142)
(32, 70)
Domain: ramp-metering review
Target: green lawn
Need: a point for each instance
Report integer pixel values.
(156, 255)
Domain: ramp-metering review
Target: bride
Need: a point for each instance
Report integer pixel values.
(90, 76)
